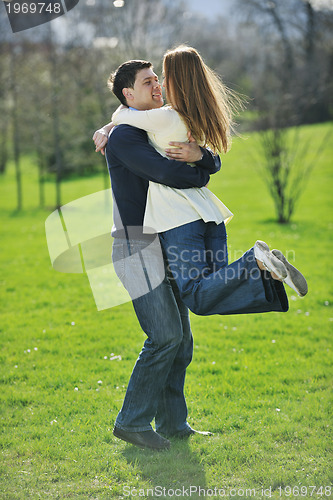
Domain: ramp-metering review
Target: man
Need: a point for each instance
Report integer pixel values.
(156, 386)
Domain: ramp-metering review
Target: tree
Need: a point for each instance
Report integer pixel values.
(60, 79)
(4, 95)
(288, 162)
(287, 92)
(294, 46)
(282, 173)
(15, 52)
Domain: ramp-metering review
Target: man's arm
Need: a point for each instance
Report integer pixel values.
(130, 147)
(209, 161)
(184, 152)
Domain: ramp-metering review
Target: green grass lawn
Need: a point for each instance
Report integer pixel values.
(260, 383)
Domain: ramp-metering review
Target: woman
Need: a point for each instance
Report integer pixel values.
(191, 222)
(205, 111)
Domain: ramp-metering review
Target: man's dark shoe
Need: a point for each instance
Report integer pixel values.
(189, 432)
(145, 439)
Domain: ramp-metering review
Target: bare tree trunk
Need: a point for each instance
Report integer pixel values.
(4, 83)
(288, 51)
(39, 145)
(4, 117)
(310, 33)
(310, 79)
(3, 147)
(15, 123)
(55, 117)
(101, 101)
(41, 173)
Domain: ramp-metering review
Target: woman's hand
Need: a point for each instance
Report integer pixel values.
(185, 151)
(100, 137)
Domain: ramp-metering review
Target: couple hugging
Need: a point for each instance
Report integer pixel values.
(160, 159)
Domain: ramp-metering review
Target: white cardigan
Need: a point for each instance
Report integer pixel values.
(169, 207)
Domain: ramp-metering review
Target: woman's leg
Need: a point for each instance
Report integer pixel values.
(237, 288)
(216, 246)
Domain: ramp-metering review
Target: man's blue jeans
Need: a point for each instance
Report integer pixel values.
(198, 259)
(156, 386)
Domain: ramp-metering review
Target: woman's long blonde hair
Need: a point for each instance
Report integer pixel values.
(206, 105)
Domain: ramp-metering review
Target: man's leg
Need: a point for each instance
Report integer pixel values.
(171, 416)
(159, 317)
(238, 288)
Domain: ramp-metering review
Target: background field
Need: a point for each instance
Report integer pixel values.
(260, 383)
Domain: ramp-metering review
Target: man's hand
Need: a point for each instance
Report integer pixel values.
(100, 137)
(185, 151)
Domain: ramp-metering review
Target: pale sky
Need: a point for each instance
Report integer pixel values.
(210, 8)
(327, 4)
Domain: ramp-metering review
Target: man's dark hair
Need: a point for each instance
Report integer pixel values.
(124, 77)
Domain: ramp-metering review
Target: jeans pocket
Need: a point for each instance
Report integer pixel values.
(139, 265)
(118, 259)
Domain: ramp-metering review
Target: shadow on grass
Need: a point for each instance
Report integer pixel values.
(179, 468)
(43, 212)
(293, 224)
(273, 220)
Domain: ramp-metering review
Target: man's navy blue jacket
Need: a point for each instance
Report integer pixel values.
(133, 162)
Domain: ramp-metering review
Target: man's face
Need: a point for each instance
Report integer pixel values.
(147, 91)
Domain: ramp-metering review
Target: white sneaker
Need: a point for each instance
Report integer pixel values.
(272, 263)
(295, 278)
